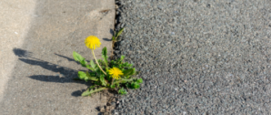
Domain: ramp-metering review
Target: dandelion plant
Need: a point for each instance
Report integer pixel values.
(104, 73)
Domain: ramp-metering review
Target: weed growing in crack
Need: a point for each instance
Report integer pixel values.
(104, 73)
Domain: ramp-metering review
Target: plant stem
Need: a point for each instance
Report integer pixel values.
(112, 81)
(97, 62)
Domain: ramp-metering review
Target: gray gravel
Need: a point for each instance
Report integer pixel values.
(197, 56)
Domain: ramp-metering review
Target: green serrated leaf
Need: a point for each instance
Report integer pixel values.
(86, 93)
(92, 64)
(82, 75)
(99, 61)
(90, 68)
(129, 72)
(135, 85)
(128, 85)
(117, 85)
(114, 38)
(140, 80)
(122, 57)
(122, 91)
(86, 76)
(97, 83)
(77, 57)
(103, 82)
(112, 86)
(89, 92)
(104, 52)
(104, 56)
(84, 63)
(90, 77)
(119, 33)
(91, 87)
(86, 79)
(130, 65)
(123, 80)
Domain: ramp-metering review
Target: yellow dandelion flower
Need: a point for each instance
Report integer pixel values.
(92, 42)
(115, 72)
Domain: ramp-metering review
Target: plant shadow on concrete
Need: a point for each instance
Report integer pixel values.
(26, 56)
(70, 74)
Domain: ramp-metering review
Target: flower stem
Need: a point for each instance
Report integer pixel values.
(97, 62)
(112, 81)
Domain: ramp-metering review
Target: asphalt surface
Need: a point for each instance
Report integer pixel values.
(39, 37)
(197, 56)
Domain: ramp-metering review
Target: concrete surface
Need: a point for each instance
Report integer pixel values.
(15, 22)
(37, 41)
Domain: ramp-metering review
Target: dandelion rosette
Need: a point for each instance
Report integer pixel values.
(115, 72)
(92, 42)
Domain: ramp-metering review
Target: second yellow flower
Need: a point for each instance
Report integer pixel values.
(115, 72)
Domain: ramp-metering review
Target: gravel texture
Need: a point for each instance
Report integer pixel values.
(197, 56)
